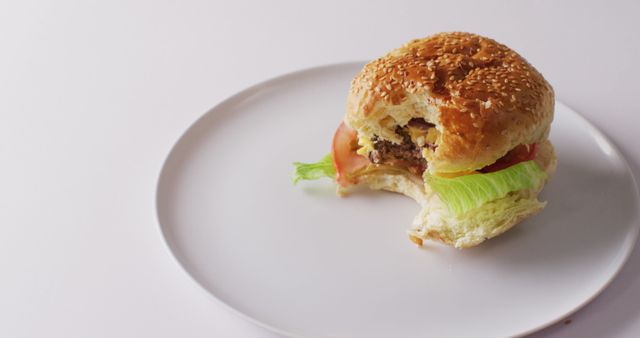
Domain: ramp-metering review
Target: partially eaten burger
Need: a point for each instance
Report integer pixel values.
(456, 121)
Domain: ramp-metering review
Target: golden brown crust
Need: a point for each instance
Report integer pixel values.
(484, 98)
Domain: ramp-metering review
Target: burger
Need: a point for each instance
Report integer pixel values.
(456, 121)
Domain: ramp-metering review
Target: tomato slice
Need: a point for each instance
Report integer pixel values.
(516, 155)
(345, 158)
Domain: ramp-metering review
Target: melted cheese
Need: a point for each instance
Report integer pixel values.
(366, 146)
(422, 137)
(456, 174)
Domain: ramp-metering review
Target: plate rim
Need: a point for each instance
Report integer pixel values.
(634, 232)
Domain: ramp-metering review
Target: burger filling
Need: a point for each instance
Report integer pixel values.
(407, 154)
(353, 157)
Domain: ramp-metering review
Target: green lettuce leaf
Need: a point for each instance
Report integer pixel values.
(314, 171)
(464, 193)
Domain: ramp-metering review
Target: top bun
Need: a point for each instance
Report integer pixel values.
(483, 98)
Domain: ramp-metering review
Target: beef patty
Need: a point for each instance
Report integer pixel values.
(405, 154)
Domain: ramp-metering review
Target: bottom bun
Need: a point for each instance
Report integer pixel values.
(435, 222)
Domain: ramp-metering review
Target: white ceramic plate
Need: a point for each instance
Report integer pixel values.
(303, 262)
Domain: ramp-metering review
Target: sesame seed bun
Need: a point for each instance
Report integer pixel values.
(483, 98)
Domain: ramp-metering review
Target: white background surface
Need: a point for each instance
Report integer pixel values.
(94, 94)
